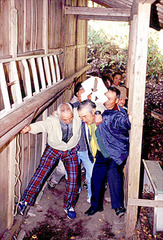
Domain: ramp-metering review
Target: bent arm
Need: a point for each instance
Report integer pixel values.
(122, 122)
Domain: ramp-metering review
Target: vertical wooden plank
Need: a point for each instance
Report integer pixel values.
(45, 26)
(3, 190)
(4, 89)
(137, 109)
(42, 76)
(5, 28)
(11, 183)
(25, 25)
(16, 91)
(28, 26)
(34, 73)
(13, 30)
(52, 69)
(27, 78)
(47, 70)
(39, 44)
(131, 60)
(31, 26)
(64, 17)
(35, 7)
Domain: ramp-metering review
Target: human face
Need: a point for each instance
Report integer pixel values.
(86, 116)
(112, 100)
(121, 102)
(66, 117)
(117, 79)
(79, 93)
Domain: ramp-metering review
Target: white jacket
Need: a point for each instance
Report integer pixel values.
(51, 125)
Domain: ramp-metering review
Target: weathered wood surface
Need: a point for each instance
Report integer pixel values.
(136, 108)
(37, 28)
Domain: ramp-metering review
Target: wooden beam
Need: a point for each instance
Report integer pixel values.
(146, 1)
(145, 203)
(139, 61)
(113, 3)
(105, 18)
(112, 12)
(134, 8)
(11, 124)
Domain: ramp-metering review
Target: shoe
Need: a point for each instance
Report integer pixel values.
(51, 186)
(92, 211)
(85, 186)
(88, 200)
(71, 214)
(21, 207)
(108, 199)
(120, 211)
(79, 190)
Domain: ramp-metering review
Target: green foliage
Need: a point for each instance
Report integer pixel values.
(155, 59)
(106, 52)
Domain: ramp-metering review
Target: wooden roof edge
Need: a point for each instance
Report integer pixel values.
(156, 14)
(114, 4)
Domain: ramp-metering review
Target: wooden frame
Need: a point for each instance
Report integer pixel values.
(107, 14)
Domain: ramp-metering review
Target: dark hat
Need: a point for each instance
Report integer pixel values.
(77, 87)
(123, 92)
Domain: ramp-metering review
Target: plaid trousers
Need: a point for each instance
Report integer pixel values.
(47, 164)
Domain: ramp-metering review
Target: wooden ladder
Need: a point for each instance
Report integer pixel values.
(22, 78)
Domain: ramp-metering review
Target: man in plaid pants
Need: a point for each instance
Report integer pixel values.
(64, 130)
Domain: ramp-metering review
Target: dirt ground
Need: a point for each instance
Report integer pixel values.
(48, 221)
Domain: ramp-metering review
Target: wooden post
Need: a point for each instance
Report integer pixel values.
(45, 46)
(12, 147)
(138, 75)
(131, 59)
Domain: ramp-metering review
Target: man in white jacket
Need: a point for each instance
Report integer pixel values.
(64, 131)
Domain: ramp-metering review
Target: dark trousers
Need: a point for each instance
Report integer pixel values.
(106, 167)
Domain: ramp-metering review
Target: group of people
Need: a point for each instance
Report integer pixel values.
(90, 132)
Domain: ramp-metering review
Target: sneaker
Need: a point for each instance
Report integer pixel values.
(85, 186)
(51, 186)
(108, 199)
(88, 200)
(71, 214)
(120, 211)
(79, 190)
(22, 206)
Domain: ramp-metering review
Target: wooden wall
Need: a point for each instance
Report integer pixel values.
(33, 27)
